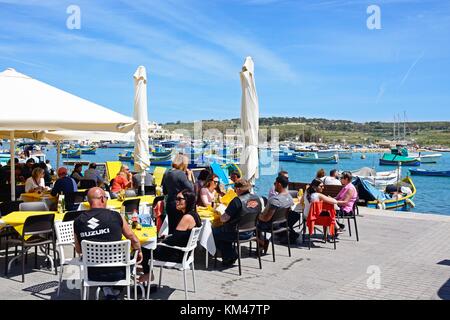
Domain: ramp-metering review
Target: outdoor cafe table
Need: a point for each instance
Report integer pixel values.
(209, 219)
(46, 197)
(16, 219)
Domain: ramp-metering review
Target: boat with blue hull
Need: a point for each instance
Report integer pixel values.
(430, 173)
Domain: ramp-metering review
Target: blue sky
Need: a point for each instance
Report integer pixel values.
(312, 58)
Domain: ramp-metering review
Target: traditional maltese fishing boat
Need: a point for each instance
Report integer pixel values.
(71, 153)
(401, 199)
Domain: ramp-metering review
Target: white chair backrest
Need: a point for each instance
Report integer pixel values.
(193, 239)
(64, 232)
(64, 236)
(188, 256)
(33, 206)
(106, 254)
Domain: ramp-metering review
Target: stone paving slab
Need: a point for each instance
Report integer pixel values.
(399, 256)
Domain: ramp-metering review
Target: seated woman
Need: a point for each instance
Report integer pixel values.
(208, 193)
(314, 194)
(185, 203)
(201, 180)
(36, 182)
(347, 197)
(123, 181)
(76, 173)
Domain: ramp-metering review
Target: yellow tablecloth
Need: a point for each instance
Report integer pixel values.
(208, 213)
(116, 204)
(16, 219)
(145, 235)
(34, 196)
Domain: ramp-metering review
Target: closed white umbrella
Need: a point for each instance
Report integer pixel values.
(141, 153)
(249, 121)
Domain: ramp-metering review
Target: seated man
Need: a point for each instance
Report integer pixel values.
(272, 191)
(235, 176)
(64, 184)
(93, 174)
(103, 225)
(224, 236)
(333, 179)
(281, 199)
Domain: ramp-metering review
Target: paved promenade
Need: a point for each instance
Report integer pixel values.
(399, 256)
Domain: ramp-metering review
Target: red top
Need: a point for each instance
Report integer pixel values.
(120, 183)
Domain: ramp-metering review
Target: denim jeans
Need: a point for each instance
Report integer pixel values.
(224, 241)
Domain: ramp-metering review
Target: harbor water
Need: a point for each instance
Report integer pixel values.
(432, 192)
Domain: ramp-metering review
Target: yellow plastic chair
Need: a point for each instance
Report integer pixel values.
(158, 175)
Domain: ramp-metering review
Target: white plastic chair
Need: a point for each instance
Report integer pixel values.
(33, 206)
(65, 237)
(186, 264)
(108, 254)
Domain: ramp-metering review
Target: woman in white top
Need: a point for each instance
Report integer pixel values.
(36, 182)
(208, 192)
(314, 194)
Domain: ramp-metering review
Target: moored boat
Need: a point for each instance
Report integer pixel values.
(127, 156)
(431, 173)
(426, 158)
(71, 153)
(375, 199)
(89, 150)
(396, 160)
(313, 158)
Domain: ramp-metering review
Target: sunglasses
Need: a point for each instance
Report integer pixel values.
(179, 199)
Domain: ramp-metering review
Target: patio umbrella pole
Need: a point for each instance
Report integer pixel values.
(13, 167)
(58, 153)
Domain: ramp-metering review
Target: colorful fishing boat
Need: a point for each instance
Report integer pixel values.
(376, 199)
(89, 150)
(161, 161)
(71, 153)
(127, 156)
(313, 158)
(286, 156)
(430, 173)
(396, 160)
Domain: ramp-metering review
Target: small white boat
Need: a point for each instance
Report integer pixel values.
(328, 153)
(378, 179)
(427, 158)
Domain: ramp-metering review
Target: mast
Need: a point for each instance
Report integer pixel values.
(394, 126)
(404, 125)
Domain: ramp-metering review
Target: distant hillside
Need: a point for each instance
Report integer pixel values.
(329, 131)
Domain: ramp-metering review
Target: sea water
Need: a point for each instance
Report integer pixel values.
(432, 192)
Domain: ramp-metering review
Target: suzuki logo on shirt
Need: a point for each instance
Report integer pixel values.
(92, 223)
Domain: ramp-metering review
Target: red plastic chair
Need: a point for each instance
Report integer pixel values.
(317, 218)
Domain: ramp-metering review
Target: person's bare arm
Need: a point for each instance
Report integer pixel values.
(267, 214)
(224, 218)
(327, 199)
(129, 234)
(77, 245)
(186, 223)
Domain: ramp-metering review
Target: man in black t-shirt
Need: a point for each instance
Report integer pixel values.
(244, 204)
(103, 225)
